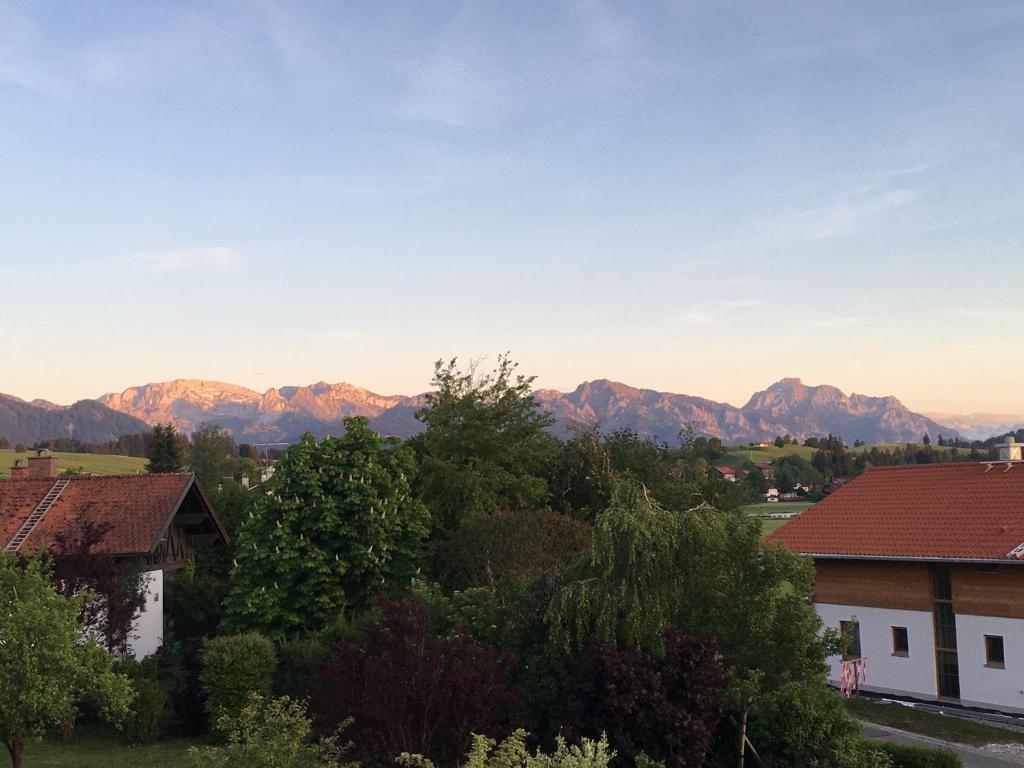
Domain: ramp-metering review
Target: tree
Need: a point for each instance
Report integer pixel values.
(214, 455)
(666, 707)
(926, 439)
(484, 448)
(651, 569)
(48, 668)
(113, 592)
(164, 452)
(334, 526)
(411, 692)
(779, 442)
(270, 732)
(510, 549)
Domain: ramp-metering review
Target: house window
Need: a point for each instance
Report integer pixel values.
(900, 642)
(994, 651)
(850, 630)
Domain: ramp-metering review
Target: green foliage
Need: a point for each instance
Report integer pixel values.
(512, 753)
(507, 550)
(792, 469)
(164, 452)
(905, 756)
(146, 725)
(235, 666)
(866, 754)
(484, 448)
(334, 526)
(47, 671)
(270, 733)
(650, 569)
(803, 724)
(475, 610)
(214, 455)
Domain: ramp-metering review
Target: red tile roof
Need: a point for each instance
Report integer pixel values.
(961, 511)
(136, 507)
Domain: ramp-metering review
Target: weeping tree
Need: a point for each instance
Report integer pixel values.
(333, 527)
(701, 571)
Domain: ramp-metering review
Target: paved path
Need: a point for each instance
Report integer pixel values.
(972, 756)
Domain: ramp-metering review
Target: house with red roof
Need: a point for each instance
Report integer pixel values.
(922, 568)
(150, 521)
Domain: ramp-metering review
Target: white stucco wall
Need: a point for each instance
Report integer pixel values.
(148, 629)
(910, 675)
(988, 686)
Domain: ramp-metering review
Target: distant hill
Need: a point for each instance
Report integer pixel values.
(86, 420)
(788, 406)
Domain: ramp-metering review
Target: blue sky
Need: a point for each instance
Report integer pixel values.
(695, 197)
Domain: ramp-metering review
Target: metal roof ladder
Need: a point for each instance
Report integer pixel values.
(37, 514)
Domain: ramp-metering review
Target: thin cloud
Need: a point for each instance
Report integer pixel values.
(217, 258)
(714, 312)
(837, 322)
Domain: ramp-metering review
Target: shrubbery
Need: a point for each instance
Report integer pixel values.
(235, 666)
(270, 732)
(664, 706)
(904, 756)
(803, 724)
(512, 753)
(411, 692)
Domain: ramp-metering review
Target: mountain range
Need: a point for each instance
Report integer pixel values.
(281, 415)
(980, 426)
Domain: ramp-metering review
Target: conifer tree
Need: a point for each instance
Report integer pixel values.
(164, 451)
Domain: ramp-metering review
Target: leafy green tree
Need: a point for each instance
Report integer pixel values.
(701, 571)
(214, 456)
(164, 452)
(335, 525)
(270, 732)
(484, 448)
(47, 668)
(792, 469)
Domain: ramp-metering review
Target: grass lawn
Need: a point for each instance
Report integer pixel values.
(767, 526)
(90, 463)
(946, 727)
(776, 506)
(740, 454)
(94, 750)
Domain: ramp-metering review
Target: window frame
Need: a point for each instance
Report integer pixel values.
(903, 652)
(989, 661)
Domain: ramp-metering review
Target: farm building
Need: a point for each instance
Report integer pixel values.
(151, 521)
(922, 568)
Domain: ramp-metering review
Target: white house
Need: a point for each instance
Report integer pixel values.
(922, 567)
(151, 522)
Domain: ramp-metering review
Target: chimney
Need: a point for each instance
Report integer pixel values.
(19, 470)
(1010, 450)
(45, 465)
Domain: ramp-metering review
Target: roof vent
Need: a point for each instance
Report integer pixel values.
(1010, 450)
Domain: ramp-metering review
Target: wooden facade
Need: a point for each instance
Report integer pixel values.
(978, 590)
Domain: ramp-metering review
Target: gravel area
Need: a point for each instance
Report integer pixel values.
(1007, 751)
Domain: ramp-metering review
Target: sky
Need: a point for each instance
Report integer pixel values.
(695, 197)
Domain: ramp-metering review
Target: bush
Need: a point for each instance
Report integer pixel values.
(512, 753)
(665, 707)
(235, 666)
(269, 732)
(802, 724)
(411, 692)
(147, 725)
(920, 757)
